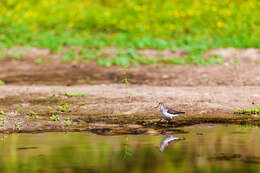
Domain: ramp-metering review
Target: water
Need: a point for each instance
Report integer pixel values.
(222, 148)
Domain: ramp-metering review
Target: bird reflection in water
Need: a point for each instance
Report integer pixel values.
(169, 140)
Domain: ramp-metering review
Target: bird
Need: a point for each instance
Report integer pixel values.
(167, 112)
(168, 140)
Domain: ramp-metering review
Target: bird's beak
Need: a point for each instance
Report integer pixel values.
(156, 106)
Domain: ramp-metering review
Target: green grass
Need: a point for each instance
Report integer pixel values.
(63, 108)
(248, 111)
(70, 55)
(55, 117)
(82, 103)
(2, 112)
(2, 82)
(17, 125)
(67, 122)
(195, 26)
(34, 115)
(3, 121)
(38, 60)
(73, 94)
(257, 62)
(19, 109)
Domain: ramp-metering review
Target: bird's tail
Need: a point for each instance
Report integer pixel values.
(181, 112)
(181, 138)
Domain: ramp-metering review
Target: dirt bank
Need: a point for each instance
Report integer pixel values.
(240, 68)
(167, 75)
(113, 109)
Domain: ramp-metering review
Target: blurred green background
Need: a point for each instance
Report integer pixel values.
(193, 25)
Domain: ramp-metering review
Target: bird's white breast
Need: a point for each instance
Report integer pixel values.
(167, 115)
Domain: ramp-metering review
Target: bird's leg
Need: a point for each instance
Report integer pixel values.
(159, 120)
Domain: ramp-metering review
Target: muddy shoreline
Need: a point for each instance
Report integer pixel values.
(144, 127)
(112, 109)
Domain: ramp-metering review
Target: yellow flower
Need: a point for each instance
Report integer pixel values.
(219, 24)
(172, 26)
(28, 14)
(251, 4)
(138, 8)
(18, 6)
(228, 13)
(122, 22)
(190, 12)
(107, 13)
(71, 24)
(146, 27)
(176, 14)
(32, 27)
(230, 5)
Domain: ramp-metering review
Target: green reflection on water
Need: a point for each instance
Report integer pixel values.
(206, 149)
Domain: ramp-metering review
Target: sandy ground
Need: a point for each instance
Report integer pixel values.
(142, 98)
(122, 110)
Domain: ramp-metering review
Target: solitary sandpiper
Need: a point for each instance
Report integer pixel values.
(167, 112)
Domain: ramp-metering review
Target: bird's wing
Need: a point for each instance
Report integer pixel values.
(171, 111)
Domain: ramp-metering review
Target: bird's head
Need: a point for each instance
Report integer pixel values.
(159, 105)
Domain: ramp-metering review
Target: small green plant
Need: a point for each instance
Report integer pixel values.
(248, 111)
(15, 55)
(19, 109)
(88, 54)
(3, 121)
(74, 94)
(215, 59)
(126, 81)
(38, 61)
(173, 49)
(50, 108)
(125, 153)
(55, 117)
(17, 125)
(82, 103)
(144, 60)
(257, 62)
(63, 107)
(70, 55)
(174, 60)
(33, 114)
(2, 112)
(237, 62)
(2, 52)
(2, 82)
(105, 62)
(67, 122)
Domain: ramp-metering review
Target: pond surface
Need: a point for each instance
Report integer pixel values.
(207, 148)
